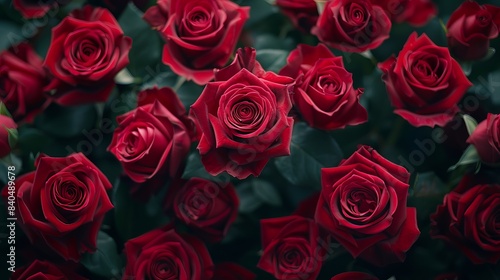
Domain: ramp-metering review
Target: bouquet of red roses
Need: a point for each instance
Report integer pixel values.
(250, 139)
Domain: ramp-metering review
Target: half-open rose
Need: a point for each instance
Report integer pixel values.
(363, 205)
(199, 35)
(61, 205)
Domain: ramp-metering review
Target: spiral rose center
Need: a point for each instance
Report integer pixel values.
(361, 203)
(329, 84)
(164, 268)
(196, 205)
(357, 14)
(69, 194)
(136, 141)
(428, 69)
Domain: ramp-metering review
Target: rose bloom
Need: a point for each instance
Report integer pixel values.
(232, 271)
(469, 219)
(152, 141)
(415, 12)
(7, 127)
(291, 248)
(87, 50)
(352, 25)
(302, 13)
(22, 79)
(199, 35)
(209, 208)
(324, 93)
(44, 270)
(424, 82)
(243, 121)
(354, 275)
(363, 205)
(486, 139)
(61, 205)
(470, 29)
(164, 254)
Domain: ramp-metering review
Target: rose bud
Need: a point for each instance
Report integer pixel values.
(61, 205)
(164, 254)
(414, 12)
(352, 25)
(209, 208)
(86, 52)
(244, 122)
(199, 35)
(22, 79)
(8, 134)
(486, 139)
(324, 93)
(302, 13)
(468, 219)
(291, 248)
(152, 141)
(470, 29)
(363, 205)
(44, 270)
(424, 82)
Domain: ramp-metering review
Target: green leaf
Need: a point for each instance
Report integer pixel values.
(255, 193)
(259, 10)
(146, 42)
(106, 261)
(132, 217)
(11, 34)
(469, 156)
(426, 193)
(124, 77)
(266, 192)
(4, 111)
(271, 59)
(311, 150)
(67, 121)
(195, 168)
(470, 123)
(13, 137)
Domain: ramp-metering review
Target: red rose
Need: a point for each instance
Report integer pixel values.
(363, 205)
(354, 275)
(486, 139)
(7, 128)
(164, 254)
(36, 8)
(207, 207)
(415, 12)
(470, 29)
(302, 13)
(324, 93)
(291, 248)
(61, 205)
(352, 25)
(44, 270)
(152, 139)
(468, 219)
(87, 50)
(424, 82)
(244, 122)
(199, 35)
(22, 78)
(232, 271)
